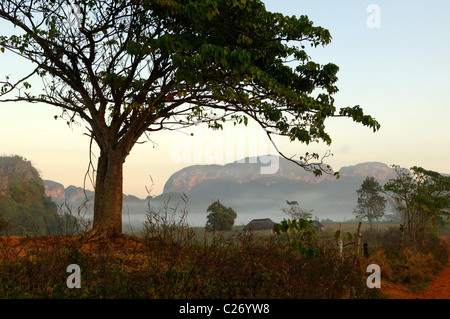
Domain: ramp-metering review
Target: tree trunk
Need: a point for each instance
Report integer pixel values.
(108, 193)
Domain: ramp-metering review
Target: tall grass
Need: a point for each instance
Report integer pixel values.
(172, 261)
(405, 261)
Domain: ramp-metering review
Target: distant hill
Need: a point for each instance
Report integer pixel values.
(80, 202)
(242, 186)
(23, 203)
(254, 195)
(249, 170)
(71, 194)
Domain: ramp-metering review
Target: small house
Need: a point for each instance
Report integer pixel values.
(318, 226)
(260, 226)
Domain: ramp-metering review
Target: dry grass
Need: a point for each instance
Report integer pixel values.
(354, 226)
(172, 260)
(171, 263)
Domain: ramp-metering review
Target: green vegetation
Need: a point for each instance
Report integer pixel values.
(175, 264)
(423, 200)
(220, 218)
(294, 211)
(400, 262)
(129, 68)
(371, 204)
(24, 207)
(406, 263)
(173, 260)
(301, 235)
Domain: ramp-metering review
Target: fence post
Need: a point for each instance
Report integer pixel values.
(358, 239)
(357, 242)
(340, 243)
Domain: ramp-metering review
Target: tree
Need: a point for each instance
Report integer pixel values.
(301, 235)
(371, 204)
(401, 189)
(296, 212)
(423, 198)
(131, 68)
(220, 218)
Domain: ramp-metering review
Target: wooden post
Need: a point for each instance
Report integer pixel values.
(366, 250)
(358, 239)
(357, 243)
(340, 243)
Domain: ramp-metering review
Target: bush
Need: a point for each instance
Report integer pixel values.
(405, 261)
(380, 258)
(417, 267)
(177, 267)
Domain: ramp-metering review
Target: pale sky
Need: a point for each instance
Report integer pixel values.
(394, 62)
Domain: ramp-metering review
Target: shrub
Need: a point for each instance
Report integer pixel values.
(244, 267)
(380, 258)
(405, 261)
(417, 267)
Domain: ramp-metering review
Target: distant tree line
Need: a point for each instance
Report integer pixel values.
(420, 196)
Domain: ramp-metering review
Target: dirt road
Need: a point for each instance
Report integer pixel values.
(439, 288)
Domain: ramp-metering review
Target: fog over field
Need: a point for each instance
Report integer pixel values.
(241, 186)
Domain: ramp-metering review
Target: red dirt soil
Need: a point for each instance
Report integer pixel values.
(15, 247)
(439, 288)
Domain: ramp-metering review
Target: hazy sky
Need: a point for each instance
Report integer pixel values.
(394, 62)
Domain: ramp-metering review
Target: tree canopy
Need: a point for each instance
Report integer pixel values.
(295, 211)
(131, 68)
(220, 217)
(371, 203)
(423, 198)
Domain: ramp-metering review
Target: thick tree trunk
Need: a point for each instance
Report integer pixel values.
(108, 193)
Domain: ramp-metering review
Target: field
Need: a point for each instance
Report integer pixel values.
(346, 226)
(176, 261)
